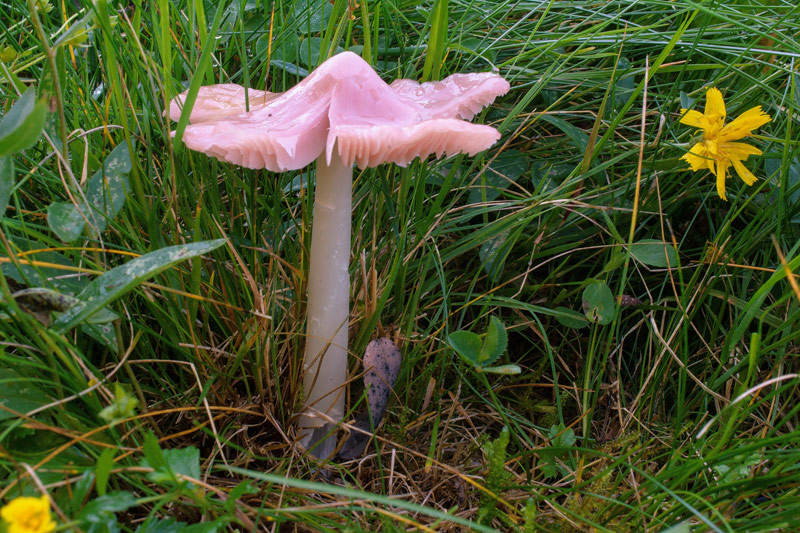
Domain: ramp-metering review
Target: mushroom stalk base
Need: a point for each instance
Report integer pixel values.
(325, 363)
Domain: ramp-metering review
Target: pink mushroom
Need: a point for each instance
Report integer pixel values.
(341, 114)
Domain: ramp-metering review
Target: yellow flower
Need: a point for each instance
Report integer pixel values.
(28, 515)
(716, 151)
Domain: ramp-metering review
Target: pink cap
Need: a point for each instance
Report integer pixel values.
(342, 100)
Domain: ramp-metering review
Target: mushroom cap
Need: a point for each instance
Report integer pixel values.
(342, 104)
(222, 100)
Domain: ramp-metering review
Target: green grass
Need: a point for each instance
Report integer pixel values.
(631, 425)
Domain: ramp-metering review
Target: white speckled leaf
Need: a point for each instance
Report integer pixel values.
(123, 278)
(493, 254)
(107, 188)
(65, 220)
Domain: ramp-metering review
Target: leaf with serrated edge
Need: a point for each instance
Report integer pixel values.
(502, 338)
(123, 278)
(495, 342)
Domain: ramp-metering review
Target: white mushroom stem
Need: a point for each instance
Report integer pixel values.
(325, 363)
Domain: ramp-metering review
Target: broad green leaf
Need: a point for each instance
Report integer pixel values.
(740, 467)
(311, 17)
(8, 76)
(625, 83)
(41, 301)
(290, 68)
(285, 53)
(598, 303)
(19, 394)
(46, 92)
(683, 527)
(579, 138)
(65, 220)
(22, 125)
(208, 527)
(285, 49)
(6, 181)
(40, 276)
(774, 167)
(686, 101)
(32, 445)
(184, 461)
(548, 176)
(153, 454)
(495, 342)
(560, 437)
(8, 54)
(504, 170)
(309, 51)
(100, 509)
(158, 525)
(170, 525)
(237, 492)
(467, 345)
(108, 186)
(655, 253)
(103, 470)
(80, 491)
(493, 254)
(477, 45)
(118, 281)
(77, 33)
(570, 318)
(167, 463)
(105, 194)
(102, 333)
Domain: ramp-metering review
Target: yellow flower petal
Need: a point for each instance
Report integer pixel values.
(745, 174)
(715, 105)
(721, 186)
(690, 117)
(744, 124)
(717, 151)
(738, 150)
(28, 515)
(697, 157)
